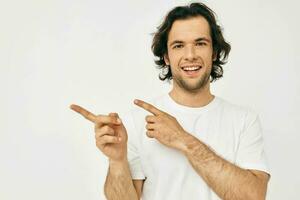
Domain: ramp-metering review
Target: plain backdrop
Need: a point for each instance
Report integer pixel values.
(97, 54)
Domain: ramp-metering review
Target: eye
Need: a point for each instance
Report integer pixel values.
(177, 46)
(200, 44)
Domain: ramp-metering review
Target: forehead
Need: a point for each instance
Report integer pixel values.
(189, 29)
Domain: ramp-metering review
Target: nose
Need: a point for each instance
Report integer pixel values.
(190, 53)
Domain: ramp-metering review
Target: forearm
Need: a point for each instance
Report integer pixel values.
(119, 185)
(226, 179)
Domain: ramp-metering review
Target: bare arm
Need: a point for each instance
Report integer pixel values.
(138, 184)
(111, 139)
(119, 184)
(226, 179)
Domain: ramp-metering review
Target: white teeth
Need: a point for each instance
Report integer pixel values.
(191, 68)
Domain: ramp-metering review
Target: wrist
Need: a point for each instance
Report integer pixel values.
(190, 144)
(115, 162)
(185, 140)
(117, 166)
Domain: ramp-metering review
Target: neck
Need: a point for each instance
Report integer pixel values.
(199, 98)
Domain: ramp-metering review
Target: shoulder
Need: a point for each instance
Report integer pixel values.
(242, 114)
(236, 108)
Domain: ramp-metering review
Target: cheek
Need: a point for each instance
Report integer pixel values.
(206, 54)
(174, 57)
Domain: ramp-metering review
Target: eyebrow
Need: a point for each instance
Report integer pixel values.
(196, 40)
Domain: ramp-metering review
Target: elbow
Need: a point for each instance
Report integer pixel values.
(254, 193)
(259, 193)
(246, 195)
(257, 196)
(259, 188)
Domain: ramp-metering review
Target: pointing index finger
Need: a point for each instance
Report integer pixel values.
(85, 113)
(147, 106)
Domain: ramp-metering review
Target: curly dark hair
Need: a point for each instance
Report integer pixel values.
(221, 48)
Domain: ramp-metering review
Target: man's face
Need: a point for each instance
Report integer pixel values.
(190, 53)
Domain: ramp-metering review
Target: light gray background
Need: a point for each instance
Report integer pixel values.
(97, 54)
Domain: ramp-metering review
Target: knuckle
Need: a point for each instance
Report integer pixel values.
(99, 145)
(106, 128)
(113, 119)
(104, 139)
(116, 119)
(103, 129)
(148, 133)
(112, 113)
(109, 130)
(149, 118)
(98, 132)
(107, 139)
(99, 141)
(99, 137)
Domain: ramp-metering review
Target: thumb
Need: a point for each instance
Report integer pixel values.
(116, 116)
(120, 129)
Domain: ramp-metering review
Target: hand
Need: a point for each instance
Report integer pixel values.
(163, 127)
(110, 133)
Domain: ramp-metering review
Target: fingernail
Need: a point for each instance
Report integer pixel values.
(119, 139)
(119, 121)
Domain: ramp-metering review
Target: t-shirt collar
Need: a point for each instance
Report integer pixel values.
(173, 104)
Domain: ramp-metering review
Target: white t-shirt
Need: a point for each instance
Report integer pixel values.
(231, 131)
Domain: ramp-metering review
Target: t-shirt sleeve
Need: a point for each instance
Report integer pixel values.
(251, 154)
(133, 155)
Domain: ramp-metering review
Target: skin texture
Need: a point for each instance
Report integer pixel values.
(189, 44)
(193, 46)
(111, 140)
(192, 92)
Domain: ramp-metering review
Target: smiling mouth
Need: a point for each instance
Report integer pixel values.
(191, 71)
(191, 68)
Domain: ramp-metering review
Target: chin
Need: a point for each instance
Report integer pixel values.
(194, 85)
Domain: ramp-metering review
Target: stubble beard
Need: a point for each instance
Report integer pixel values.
(195, 87)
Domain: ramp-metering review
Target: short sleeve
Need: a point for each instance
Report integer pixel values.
(133, 155)
(251, 154)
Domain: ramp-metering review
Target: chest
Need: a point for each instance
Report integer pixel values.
(222, 136)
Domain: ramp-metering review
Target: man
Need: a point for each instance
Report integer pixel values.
(188, 144)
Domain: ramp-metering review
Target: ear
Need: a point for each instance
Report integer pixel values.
(214, 56)
(166, 59)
